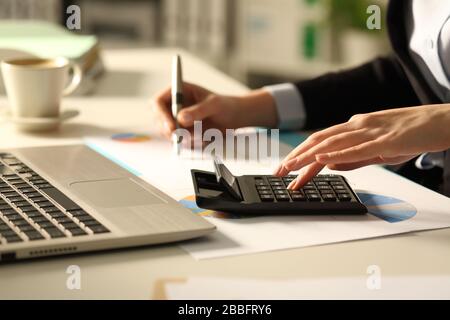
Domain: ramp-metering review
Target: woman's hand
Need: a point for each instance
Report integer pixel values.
(215, 111)
(385, 137)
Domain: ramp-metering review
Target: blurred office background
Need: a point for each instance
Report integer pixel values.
(258, 42)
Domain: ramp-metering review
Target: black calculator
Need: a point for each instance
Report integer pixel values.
(265, 194)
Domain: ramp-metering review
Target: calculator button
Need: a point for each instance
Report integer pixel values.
(279, 188)
(274, 179)
(336, 183)
(276, 183)
(266, 197)
(339, 188)
(344, 197)
(263, 187)
(313, 197)
(311, 192)
(282, 197)
(260, 183)
(264, 192)
(298, 197)
(329, 197)
(322, 183)
(280, 192)
(295, 192)
(324, 187)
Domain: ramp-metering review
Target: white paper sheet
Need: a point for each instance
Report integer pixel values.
(408, 287)
(397, 199)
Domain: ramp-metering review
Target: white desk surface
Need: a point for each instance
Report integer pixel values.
(121, 103)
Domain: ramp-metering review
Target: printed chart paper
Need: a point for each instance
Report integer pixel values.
(396, 205)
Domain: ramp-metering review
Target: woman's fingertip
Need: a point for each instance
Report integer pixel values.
(185, 118)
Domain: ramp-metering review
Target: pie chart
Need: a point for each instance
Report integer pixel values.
(387, 208)
(130, 137)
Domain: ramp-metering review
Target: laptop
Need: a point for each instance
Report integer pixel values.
(70, 199)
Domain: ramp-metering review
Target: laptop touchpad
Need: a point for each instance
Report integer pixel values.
(115, 193)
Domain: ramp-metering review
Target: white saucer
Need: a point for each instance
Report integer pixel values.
(39, 124)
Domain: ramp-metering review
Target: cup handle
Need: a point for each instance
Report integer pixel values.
(76, 79)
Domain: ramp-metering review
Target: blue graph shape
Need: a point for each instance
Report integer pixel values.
(387, 208)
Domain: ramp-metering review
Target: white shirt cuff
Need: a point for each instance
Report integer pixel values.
(430, 160)
(289, 104)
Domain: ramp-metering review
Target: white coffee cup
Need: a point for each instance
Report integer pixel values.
(35, 87)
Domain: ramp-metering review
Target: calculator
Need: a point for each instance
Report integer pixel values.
(268, 195)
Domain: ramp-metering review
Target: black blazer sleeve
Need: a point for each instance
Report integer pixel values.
(334, 97)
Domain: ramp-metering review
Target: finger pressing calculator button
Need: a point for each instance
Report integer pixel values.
(266, 197)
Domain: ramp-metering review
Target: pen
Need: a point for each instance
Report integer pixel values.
(177, 97)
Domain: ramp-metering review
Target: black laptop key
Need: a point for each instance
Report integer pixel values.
(45, 204)
(91, 222)
(77, 213)
(51, 209)
(26, 228)
(63, 219)
(69, 225)
(61, 198)
(45, 224)
(34, 235)
(55, 233)
(14, 217)
(44, 186)
(38, 219)
(8, 233)
(77, 232)
(98, 229)
(84, 218)
(57, 214)
(13, 239)
(21, 222)
(34, 195)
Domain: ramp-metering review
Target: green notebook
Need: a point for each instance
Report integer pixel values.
(44, 39)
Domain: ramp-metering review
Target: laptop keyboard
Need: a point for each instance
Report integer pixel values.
(32, 209)
(322, 188)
